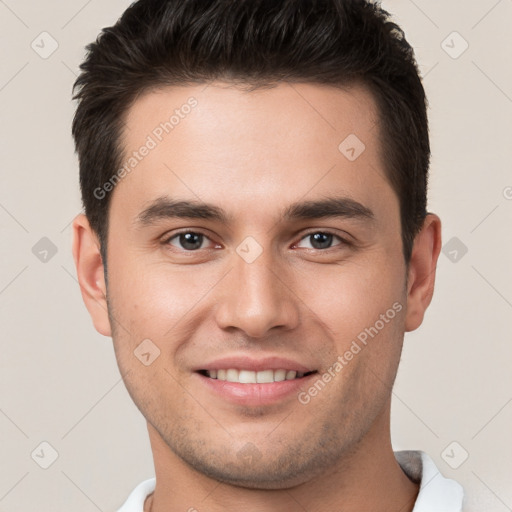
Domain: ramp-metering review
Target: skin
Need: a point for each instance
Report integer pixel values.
(253, 154)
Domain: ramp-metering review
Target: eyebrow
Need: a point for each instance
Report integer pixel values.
(328, 207)
(168, 208)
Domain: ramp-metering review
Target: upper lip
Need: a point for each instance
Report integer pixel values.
(250, 363)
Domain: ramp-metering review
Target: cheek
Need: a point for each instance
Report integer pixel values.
(351, 297)
(156, 300)
(361, 308)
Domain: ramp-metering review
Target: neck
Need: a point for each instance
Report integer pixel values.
(368, 478)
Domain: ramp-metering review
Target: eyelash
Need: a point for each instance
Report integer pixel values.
(343, 241)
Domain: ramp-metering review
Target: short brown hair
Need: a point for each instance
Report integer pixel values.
(254, 42)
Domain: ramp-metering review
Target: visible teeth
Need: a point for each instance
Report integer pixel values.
(247, 377)
(265, 376)
(232, 375)
(279, 375)
(250, 377)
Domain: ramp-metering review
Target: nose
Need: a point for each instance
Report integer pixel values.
(256, 297)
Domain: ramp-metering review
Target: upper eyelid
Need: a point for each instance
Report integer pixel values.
(325, 231)
(170, 235)
(343, 240)
(167, 238)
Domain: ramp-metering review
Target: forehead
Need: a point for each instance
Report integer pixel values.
(252, 150)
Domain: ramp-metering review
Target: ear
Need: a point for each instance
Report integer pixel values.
(422, 271)
(90, 272)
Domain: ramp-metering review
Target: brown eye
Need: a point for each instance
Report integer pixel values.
(189, 241)
(320, 240)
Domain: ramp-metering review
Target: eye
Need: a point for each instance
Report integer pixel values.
(188, 240)
(320, 240)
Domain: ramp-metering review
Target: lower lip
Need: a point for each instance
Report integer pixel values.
(255, 394)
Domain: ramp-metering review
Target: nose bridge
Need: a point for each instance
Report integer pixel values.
(255, 300)
(259, 286)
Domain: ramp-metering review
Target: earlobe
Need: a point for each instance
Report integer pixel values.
(422, 271)
(90, 272)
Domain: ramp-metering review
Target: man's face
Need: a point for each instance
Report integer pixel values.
(267, 285)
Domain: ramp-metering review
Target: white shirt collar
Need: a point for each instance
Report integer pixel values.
(437, 493)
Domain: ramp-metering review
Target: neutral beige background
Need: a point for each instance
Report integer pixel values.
(59, 380)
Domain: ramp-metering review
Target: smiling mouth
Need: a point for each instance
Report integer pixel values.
(253, 377)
